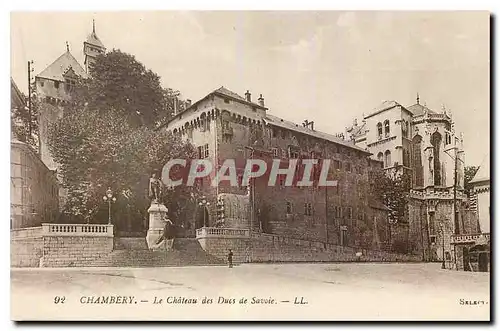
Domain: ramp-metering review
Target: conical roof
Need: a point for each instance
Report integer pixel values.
(93, 39)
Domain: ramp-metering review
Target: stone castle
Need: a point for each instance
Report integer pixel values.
(225, 125)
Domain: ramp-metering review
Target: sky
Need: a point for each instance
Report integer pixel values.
(325, 66)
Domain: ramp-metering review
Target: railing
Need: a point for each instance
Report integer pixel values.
(222, 233)
(77, 230)
(468, 238)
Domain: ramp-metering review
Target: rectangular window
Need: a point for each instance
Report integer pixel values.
(288, 207)
(276, 152)
(226, 100)
(56, 84)
(283, 134)
(348, 167)
(293, 153)
(274, 132)
(206, 152)
(200, 152)
(337, 164)
(349, 212)
(308, 209)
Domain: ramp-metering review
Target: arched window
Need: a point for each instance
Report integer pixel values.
(418, 169)
(387, 128)
(379, 130)
(436, 143)
(387, 162)
(380, 157)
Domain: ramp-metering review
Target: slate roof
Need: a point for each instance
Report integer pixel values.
(274, 120)
(93, 39)
(224, 91)
(483, 173)
(56, 70)
(418, 109)
(388, 104)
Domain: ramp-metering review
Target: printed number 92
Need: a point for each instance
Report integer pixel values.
(58, 299)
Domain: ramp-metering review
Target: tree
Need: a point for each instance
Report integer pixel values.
(120, 83)
(469, 173)
(101, 142)
(393, 189)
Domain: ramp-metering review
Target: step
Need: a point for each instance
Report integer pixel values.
(132, 243)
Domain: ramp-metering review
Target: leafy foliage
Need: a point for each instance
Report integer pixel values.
(120, 83)
(101, 141)
(393, 189)
(469, 173)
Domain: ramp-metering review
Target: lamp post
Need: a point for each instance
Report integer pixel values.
(204, 203)
(441, 226)
(109, 198)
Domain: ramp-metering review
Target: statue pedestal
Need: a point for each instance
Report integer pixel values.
(157, 219)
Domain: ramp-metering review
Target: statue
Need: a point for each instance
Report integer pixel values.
(154, 188)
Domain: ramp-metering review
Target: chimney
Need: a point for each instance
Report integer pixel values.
(188, 103)
(312, 125)
(355, 122)
(261, 100)
(248, 96)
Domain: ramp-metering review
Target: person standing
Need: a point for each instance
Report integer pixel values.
(230, 258)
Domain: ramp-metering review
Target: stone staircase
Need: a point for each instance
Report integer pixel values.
(133, 252)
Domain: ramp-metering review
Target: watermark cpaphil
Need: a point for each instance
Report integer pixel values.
(288, 173)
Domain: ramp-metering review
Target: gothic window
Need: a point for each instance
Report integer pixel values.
(387, 161)
(288, 207)
(436, 144)
(447, 138)
(418, 169)
(379, 130)
(386, 128)
(404, 125)
(380, 157)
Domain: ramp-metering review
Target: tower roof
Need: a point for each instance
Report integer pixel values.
(59, 67)
(418, 109)
(93, 39)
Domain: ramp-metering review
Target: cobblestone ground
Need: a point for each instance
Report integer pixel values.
(347, 291)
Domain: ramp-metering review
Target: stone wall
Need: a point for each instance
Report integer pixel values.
(60, 245)
(74, 251)
(26, 252)
(272, 248)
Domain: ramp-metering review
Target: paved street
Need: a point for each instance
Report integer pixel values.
(314, 291)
